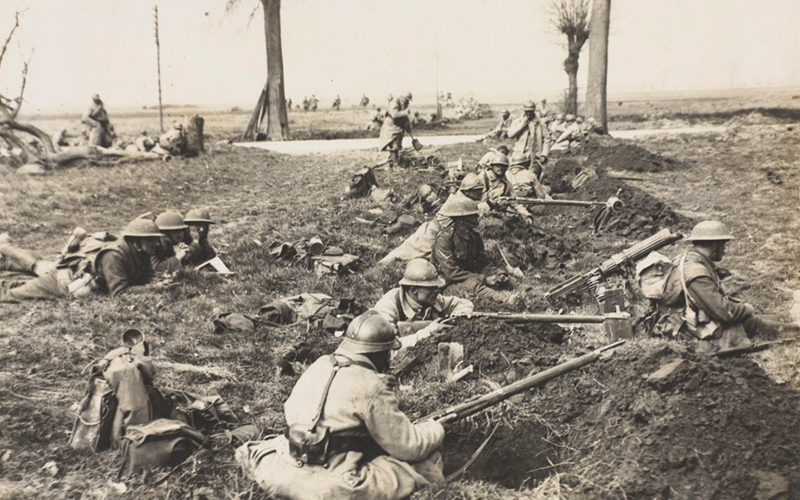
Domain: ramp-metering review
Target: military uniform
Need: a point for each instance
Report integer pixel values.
(532, 137)
(710, 313)
(99, 129)
(113, 268)
(397, 306)
(459, 256)
(375, 450)
(500, 131)
(395, 124)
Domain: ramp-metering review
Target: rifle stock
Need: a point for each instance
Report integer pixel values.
(615, 262)
(478, 403)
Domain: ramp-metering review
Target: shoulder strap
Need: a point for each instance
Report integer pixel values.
(685, 287)
(321, 406)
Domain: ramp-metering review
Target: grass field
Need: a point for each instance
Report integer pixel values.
(259, 197)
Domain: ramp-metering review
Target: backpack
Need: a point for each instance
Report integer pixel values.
(160, 443)
(658, 278)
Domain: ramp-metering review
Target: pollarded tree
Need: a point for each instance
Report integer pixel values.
(571, 18)
(272, 102)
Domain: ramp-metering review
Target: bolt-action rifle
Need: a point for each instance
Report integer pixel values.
(478, 403)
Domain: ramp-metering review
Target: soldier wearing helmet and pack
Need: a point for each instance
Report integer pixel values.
(396, 123)
(459, 256)
(200, 250)
(346, 436)
(417, 301)
(419, 244)
(524, 182)
(113, 268)
(531, 134)
(694, 292)
(496, 184)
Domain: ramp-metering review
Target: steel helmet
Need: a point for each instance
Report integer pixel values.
(458, 205)
(198, 215)
(579, 119)
(408, 95)
(420, 272)
(710, 230)
(169, 221)
(368, 333)
(520, 158)
(570, 118)
(141, 228)
(471, 181)
(529, 106)
(499, 159)
(506, 112)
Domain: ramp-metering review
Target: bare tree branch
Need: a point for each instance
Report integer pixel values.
(9, 37)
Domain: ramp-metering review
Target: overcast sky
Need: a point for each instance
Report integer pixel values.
(495, 50)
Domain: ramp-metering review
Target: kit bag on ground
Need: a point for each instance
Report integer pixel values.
(203, 413)
(160, 443)
(659, 279)
(120, 394)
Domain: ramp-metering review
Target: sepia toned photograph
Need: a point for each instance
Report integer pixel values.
(382, 249)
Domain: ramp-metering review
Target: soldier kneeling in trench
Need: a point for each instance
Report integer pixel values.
(112, 267)
(459, 255)
(416, 309)
(709, 314)
(346, 436)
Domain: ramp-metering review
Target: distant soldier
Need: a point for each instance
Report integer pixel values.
(531, 134)
(337, 103)
(377, 120)
(458, 254)
(108, 268)
(172, 142)
(346, 436)
(99, 130)
(289, 104)
(306, 104)
(314, 102)
(574, 132)
(500, 131)
(418, 298)
(364, 101)
(395, 124)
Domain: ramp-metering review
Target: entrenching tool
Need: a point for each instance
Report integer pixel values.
(512, 270)
(415, 143)
(479, 403)
(613, 204)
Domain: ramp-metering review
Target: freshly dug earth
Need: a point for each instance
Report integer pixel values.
(641, 216)
(662, 423)
(604, 153)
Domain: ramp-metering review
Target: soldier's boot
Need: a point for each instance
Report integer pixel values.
(17, 259)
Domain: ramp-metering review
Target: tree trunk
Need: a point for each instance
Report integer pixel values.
(193, 127)
(598, 62)
(571, 68)
(571, 103)
(277, 120)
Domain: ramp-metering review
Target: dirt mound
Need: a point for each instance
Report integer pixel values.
(500, 349)
(641, 216)
(665, 424)
(559, 175)
(649, 423)
(611, 154)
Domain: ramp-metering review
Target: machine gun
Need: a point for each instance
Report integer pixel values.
(590, 280)
(478, 403)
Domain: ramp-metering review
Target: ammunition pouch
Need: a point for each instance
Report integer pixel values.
(309, 446)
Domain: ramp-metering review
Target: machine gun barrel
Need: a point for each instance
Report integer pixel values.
(476, 404)
(615, 262)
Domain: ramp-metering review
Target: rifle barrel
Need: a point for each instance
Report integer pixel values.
(479, 403)
(538, 201)
(544, 318)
